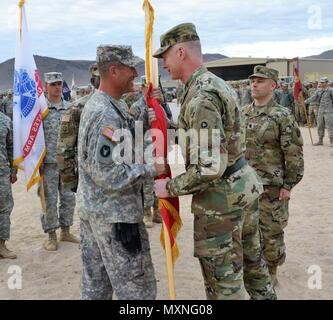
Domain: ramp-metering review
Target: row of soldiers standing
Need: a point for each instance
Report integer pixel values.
(316, 100)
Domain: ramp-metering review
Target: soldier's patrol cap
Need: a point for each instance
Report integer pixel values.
(323, 79)
(266, 73)
(315, 82)
(93, 69)
(10, 91)
(181, 33)
(284, 84)
(52, 77)
(116, 53)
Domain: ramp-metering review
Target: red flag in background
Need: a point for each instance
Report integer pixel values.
(298, 84)
(169, 207)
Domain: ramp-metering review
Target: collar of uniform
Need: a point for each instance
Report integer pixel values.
(266, 109)
(57, 106)
(117, 104)
(198, 72)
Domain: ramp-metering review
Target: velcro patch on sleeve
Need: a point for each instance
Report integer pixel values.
(108, 132)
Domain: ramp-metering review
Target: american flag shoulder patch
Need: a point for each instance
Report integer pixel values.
(108, 132)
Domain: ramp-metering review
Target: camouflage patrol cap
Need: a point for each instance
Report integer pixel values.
(181, 33)
(323, 80)
(266, 73)
(93, 69)
(52, 77)
(116, 53)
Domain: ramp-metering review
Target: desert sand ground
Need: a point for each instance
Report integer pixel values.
(309, 238)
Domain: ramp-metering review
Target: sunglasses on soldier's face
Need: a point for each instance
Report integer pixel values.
(58, 83)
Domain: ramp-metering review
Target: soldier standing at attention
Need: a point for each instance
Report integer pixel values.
(114, 241)
(274, 148)
(68, 136)
(325, 113)
(287, 99)
(7, 177)
(225, 188)
(56, 215)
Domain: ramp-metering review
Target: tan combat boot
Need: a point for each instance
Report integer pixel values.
(51, 243)
(4, 252)
(148, 218)
(273, 273)
(157, 216)
(320, 142)
(65, 235)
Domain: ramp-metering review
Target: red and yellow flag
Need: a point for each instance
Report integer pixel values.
(298, 84)
(169, 207)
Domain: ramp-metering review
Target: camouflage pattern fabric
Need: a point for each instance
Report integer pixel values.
(287, 101)
(6, 158)
(274, 148)
(313, 107)
(233, 246)
(274, 145)
(109, 191)
(6, 106)
(181, 33)
(117, 53)
(325, 112)
(245, 97)
(67, 143)
(54, 190)
(277, 96)
(274, 216)
(209, 103)
(57, 214)
(264, 72)
(109, 269)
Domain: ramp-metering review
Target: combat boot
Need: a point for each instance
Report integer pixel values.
(331, 142)
(4, 252)
(157, 216)
(273, 273)
(320, 142)
(65, 235)
(51, 243)
(148, 218)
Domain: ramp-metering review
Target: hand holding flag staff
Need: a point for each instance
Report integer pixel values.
(169, 207)
(29, 109)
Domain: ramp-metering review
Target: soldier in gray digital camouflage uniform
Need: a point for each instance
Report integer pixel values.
(114, 242)
(7, 177)
(57, 215)
(325, 113)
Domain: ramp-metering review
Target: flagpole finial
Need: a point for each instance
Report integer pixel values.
(21, 3)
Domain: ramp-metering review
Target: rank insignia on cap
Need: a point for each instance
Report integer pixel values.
(108, 132)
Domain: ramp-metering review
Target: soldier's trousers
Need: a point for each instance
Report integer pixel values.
(313, 114)
(57, 214)
(230, 255)
(109, 268)
(299, 114)
(273, 219)
(6, 203)
(325, 119)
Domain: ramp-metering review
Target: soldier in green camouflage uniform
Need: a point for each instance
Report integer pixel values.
(68, 134)
(313, 106)
(274, 148)
(225, 188)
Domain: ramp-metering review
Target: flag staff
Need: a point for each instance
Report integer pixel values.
(151, 69)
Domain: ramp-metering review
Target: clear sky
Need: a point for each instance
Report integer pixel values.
(73, 29)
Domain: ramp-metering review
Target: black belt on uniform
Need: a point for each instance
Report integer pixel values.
(240, 163)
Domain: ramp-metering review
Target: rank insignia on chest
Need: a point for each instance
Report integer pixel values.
(65, 118)
(108, 132)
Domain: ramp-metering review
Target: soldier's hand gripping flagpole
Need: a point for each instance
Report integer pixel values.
(169, 207)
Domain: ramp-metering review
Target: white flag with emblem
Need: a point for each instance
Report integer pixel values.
(30, 108)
